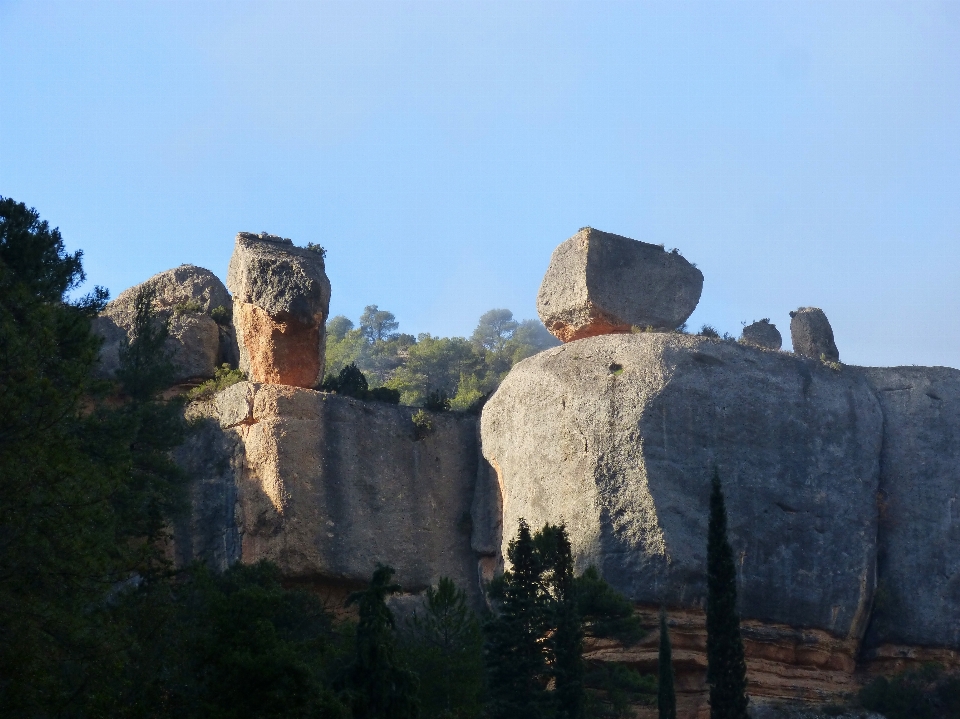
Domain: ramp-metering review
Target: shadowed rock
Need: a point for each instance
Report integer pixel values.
(812, 334)
(599, 283)
(616, 436)
(185, 297)
(281, 299)
(918, 599)
(762, 334)
(328, 486)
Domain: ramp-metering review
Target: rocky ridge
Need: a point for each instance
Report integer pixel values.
(841, 482)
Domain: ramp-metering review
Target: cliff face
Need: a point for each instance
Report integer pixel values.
(328, 486)
(616, 436)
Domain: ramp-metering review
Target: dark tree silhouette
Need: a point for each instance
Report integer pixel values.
(666, 695)
(726, 667)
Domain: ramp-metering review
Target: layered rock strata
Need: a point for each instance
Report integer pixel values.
(327, 486)
(187, 298)
(812, 335)
(281, 300)
(601, 283)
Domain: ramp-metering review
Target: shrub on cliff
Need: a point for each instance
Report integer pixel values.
(925, 693)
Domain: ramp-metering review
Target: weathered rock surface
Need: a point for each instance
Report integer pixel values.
(812, 334)
(616, 437)
(762, 334)
(328, 486)
(185, 296)
(600, 283)
(281, 300)
(918, 597)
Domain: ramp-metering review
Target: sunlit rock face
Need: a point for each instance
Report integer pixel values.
(185, 298)
(618, 435)
(281, 299)
(600, 283)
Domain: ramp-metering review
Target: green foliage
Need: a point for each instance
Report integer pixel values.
(351, 382)
(726, 667)
(535, 638)
(188, 307)
(925, 693)
(616, 689)
(379, 686)
(86, 487)
(666, 695)
(223, 377)
(221, 315)
(146, 365)
(709, 331)
(467, 371)
(444, 646)
(437, 401)
(317, 248)
(422, 424)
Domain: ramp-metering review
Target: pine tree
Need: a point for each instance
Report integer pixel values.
(515, 659)
(565, 642)
(380, 688)
(666, 696)
(726, 667)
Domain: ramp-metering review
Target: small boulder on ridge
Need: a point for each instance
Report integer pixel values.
(281, 300)
(812, 334)
(762, 334)
(600, 283)
(188, 298)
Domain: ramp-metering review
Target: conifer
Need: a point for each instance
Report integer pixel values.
(726, 667)
(666, 696)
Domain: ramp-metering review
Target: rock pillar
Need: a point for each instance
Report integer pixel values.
(281, 297)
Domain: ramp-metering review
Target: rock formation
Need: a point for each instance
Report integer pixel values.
(600, 283)
(616, 437)
(186, 297)
(328, 486)
(281, 299)
(762, 334)
(812, 334)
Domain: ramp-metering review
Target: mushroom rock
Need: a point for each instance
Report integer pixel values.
(600, 283)
(281, 299)
(762, 334)
(812, 334)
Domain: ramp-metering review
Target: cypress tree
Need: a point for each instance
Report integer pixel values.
(666, 696)
(726, 667)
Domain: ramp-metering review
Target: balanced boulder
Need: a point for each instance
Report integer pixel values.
(812, 334)
(281, 300)
(600, 283)
(762, 334)
(188, 298)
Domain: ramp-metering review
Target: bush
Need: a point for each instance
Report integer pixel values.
(224, 377)
(188, 307)
(422, 425)
(221, 315)
(437, 401)
(925, 693)
(351, 382)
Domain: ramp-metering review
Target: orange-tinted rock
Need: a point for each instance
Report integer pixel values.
(281, 298)
(278, 352)
(599, 283)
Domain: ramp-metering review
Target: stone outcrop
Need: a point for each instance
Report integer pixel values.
(762, 334)
(186, 297)
(616, 435)
(328, 486)
(281, 300)
(600, 283)
(918, 596)
(812, 334)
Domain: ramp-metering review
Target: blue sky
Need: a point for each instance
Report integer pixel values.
(800, 153)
